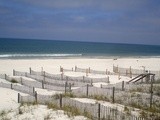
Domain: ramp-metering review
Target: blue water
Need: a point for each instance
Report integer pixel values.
(28, 48)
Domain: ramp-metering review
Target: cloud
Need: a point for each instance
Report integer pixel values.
(91, 20)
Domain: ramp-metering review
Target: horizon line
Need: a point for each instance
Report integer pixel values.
(39, 39)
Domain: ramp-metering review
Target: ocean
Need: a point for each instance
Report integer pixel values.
(29, 49)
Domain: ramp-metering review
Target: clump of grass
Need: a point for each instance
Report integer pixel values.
(56, 96)
(126, 109)
(3, 113)
(138, 89)
(143, 114)
(14, 81)
(156, 89)
(100, 97)
(87, 114)
(135, 105)
(71, 95)
(20, 111)
(52, 106)
(71, 111)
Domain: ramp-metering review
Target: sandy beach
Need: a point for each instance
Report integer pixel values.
(9, 97)
(53, 65)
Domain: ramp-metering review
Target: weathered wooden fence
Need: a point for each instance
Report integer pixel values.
(118, 96)
(86, 70)
(38, 83)
(51, 78)
(134, 72)
(95, 111)
(24, 89)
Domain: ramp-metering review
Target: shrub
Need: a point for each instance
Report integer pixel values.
(3, 113)
(14, 81)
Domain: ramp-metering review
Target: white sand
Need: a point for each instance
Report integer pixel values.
(53, 65)
(8, 98)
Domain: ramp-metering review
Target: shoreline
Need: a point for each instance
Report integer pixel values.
(74, 57)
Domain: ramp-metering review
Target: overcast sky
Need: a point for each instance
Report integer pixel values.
(114, 21)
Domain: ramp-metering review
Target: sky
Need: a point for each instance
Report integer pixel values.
(113, 21)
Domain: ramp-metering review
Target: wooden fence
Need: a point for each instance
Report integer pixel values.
(38, 84)
(86, 70)
(24, 89)
(95, 111)
(117, 95)
(53, 77)
(134, 72)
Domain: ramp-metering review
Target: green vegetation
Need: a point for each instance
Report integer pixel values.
(71, 111)
(100, 97)
(3, 115)
(14, 81)
(52, 106)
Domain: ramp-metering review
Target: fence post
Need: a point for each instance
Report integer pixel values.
(151, 98)
(13, 72)
(113, 95)
(66, 78)
(83, 78)
(75, 68)
(87, 90)
(60, 101)
(65, 87)
(33, 90)
(36, 96)
(30, 70)
(91, 82)
(89, 70)
(11, 86)
(21, 81)
(42, 84)
(5, 76)
(122, 85)
(44, 76)
(130, 72)
(69, 87)
(19, 97)
(99, 111)
(108, 79)
(60, 69)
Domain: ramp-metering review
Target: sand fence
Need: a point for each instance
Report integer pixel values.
(95, 111)
(134, 72)
(44, 75)
(36, 84)
(86, 70)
